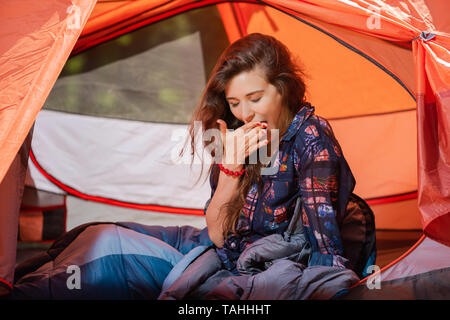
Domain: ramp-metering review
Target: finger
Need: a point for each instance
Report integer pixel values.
(255, 141)
(252, 141)
(250, 125)
(223, 129)
(256, 131)
(222, 126)
(252, 135)
(255, 146)
(255, 136)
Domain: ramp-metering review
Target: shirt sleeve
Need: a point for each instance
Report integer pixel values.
(319, 186)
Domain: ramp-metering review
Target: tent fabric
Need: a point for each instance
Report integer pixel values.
(11, 191)
(421, 273)
(400, 25)
(433, 104)
(37, 39)
(107, 100)
(128, 147)
(428, 255)
(431, 285)
(86, 87)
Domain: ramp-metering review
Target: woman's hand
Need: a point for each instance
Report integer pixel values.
(240, 143)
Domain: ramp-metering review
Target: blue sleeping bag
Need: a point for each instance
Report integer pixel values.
(132, 261)
(110, 261)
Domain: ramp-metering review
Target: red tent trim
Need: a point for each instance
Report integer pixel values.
(10, 286)
(392, 198)
(392, 262)
(147, 207)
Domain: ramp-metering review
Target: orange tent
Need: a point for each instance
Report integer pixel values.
(379, 71)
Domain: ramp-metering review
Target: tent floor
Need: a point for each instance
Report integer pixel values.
(391, 244)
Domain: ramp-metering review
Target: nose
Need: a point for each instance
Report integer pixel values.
(247, 113)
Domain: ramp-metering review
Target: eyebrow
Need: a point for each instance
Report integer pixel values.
(248, 94)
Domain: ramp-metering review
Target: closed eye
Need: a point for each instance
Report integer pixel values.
(236, 104)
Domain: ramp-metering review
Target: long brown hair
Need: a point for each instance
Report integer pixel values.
(275, 59)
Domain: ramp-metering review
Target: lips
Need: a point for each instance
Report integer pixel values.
(263, 123)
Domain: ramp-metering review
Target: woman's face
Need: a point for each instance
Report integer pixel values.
(252, 98)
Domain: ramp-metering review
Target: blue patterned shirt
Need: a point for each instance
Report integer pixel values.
(311, 165)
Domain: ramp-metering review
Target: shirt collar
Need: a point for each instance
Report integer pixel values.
(305, 112)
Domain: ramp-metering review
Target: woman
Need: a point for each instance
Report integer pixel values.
(256, 89)
(253, 214)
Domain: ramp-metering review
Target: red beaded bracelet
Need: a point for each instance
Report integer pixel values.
(230, 172)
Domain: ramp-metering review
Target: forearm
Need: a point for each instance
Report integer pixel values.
(225, 190)
(234, 156)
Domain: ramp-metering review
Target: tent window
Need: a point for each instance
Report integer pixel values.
(156, 73)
